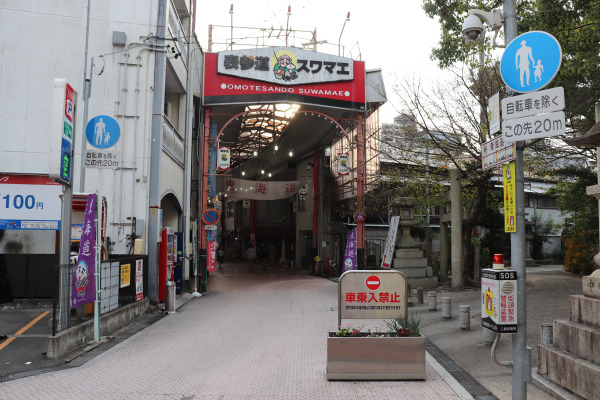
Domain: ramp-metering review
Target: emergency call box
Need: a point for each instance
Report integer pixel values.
(499, 300)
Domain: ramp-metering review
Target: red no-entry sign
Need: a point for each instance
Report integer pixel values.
(373, 282)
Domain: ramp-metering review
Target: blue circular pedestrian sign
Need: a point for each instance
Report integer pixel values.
(102, 131)
(530, 61)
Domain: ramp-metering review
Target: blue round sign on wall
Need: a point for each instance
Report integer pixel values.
(102, 131)
(530, 61)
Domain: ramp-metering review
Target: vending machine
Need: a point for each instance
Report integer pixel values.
(166, 261)
(178, 274)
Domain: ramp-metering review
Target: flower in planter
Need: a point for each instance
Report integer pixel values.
(347, 330)
(403, 332)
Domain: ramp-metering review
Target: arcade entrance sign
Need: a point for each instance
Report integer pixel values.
(283, 74)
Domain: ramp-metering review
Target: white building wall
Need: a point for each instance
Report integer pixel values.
(44, 40)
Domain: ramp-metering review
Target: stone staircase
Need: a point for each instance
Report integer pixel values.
(572, 360)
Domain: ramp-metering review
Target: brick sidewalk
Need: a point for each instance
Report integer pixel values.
(259, 335)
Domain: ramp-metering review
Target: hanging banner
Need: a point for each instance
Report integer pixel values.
(510, 203)
(388, 253)
(303, 193)
(223, 159)
(211, 250)
(350, 255)
(343, 165)
(84, 284)
(259, 190)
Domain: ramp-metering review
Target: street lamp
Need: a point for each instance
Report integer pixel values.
(521, 353)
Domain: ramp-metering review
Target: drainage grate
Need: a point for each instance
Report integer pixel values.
(470, 384)
(26, 374)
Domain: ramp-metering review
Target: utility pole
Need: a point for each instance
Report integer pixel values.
(521, 354)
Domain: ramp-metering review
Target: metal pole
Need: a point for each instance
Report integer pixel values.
(97, 276)
(155, 156)
(86, 96)
(520, 352)
(64, 289)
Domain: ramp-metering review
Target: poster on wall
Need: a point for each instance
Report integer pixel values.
(139, 280)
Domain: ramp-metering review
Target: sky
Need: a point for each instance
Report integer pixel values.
(394, 36)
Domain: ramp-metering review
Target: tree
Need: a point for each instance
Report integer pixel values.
(450, 123)
(575, 24)
(580, 229)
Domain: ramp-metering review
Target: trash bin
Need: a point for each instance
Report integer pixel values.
(170, 297)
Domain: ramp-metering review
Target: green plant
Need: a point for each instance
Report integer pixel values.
(410, 326)
(348, 330)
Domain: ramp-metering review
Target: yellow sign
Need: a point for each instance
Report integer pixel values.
(317, 258)
(510, 204)
(125, 275)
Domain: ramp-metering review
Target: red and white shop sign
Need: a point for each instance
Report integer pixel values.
(226, 89)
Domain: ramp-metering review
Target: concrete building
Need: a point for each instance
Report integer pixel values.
(144, 66)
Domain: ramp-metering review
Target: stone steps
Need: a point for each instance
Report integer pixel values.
(575, 374)
(573, 359)
(577, 339)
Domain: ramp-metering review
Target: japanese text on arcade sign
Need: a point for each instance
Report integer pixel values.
(387, 297)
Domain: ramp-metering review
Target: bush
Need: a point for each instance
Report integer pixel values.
(580, 251)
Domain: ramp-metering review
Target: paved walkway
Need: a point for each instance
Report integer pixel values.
(259, 335)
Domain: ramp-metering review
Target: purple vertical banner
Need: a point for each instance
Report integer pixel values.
(84, 284)
(350, 255)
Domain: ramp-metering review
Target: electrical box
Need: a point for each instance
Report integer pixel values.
(139, 227)
(499, 300)
(119, 38)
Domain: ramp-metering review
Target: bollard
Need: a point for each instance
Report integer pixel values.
(446, 307)
(488, 336)
(420, 295)
(170, 298)
(432, 300)
(464, 316)
(547, 333)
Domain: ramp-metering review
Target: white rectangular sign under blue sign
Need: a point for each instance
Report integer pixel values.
(544, 101)
(534, 127)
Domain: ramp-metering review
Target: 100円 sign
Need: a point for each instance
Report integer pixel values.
(534, 127)
(102, 159)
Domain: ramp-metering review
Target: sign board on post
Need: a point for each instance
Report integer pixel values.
(534, 127)
(530, 61)
(390, 242)
(510, 204)
(62, 131)
(499, 300)
(495, 152)
(372, 295)
(29, 202)
(544, 101)
(108, 159)
(494, 113)
(102, 131)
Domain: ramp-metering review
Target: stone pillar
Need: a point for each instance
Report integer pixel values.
(456, 252)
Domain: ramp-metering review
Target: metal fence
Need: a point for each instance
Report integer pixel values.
(119, 285)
